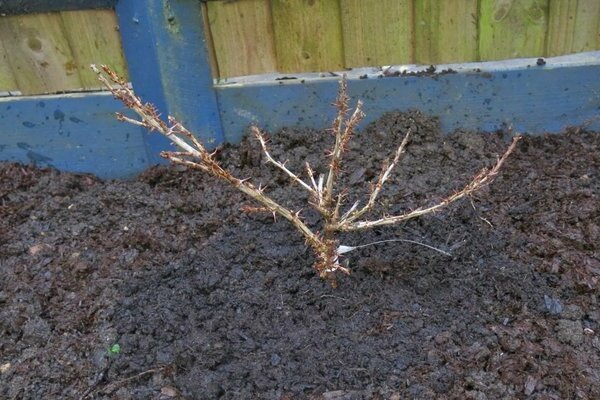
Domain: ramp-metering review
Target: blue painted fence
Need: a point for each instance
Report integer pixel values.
(168, 62)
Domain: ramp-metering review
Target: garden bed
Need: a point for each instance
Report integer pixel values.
(206, 301)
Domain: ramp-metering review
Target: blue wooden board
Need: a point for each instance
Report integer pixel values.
(168, 64)
(486, 96)
(76, 132)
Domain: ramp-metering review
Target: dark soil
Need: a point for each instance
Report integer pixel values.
(209, 302)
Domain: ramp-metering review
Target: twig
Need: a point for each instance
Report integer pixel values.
(99, 378)
(201, 158)
(483, 178)
(383, 177)
(314, 191)
(261, 139)
(342, 136)
(111, 387)
(478, 215)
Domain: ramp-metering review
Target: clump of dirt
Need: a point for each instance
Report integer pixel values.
(208, 302)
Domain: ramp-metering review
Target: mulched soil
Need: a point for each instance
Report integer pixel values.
(208, 302)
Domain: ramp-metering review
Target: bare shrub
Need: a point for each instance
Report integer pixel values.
(324, 196)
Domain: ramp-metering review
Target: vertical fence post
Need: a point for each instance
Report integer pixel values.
(168, 61)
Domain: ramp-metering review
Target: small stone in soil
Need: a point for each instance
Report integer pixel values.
(275, 359)
(554, 306)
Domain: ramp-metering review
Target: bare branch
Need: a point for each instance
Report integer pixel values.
(338, 205)
(251, 191)
(482, 179)
(201, 158)
(322, 190)
(259, 136)
(311, 175)
(343, 130)
(132, 121)
(347, 214)
(383, 177)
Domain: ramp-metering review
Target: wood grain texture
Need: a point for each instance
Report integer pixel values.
(574, 26)
(242, 35)
(210, 45)
(308, 35)
(7, 79)
(39, 53)
(512, 29)
(446, 31)
(377, 32)
(94, 38)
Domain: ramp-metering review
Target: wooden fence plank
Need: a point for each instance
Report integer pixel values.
(574, 26)
(377, 32)
(512, 29)
(242, 34)
(7, 79)
(587, 33)
(561, 26)
(308, 35)
(446, 31)
(40, 56)
(210, 46)
(94, 39)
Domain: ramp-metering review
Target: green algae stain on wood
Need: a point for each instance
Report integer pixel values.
(94, 38)
(445, 31)
(308, 35)
(49, 53)
(39, 53)
(512, 28)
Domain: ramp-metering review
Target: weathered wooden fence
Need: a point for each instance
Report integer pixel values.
(258, 36)
(50, 53)
(165, 47)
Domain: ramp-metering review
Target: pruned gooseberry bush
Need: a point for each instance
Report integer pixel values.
(324, 195)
